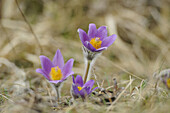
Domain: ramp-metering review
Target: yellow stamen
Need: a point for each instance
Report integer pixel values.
(56, 74)
(96, 42)
(168, 82)
(79, 88)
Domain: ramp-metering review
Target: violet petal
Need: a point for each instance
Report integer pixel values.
(101, 32)
(83, 36)
(89, 84)
(68, 66)
(84, 92)
(68, 74)
(90, 47)
(73, 79)
(46, 64)
(58, 59)
(93, 89)
(79, 81)
(75, 90)
(92, 31)
(108, 41)
(41, 71)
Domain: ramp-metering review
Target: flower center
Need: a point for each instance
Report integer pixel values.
(56, 73)
(96, 42)
(79, 88)
(168, 82)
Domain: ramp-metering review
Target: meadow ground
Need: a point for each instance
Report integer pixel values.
(140, 52)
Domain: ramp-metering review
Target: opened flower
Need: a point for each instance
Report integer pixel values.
(96, 40)
(79, 89)
(94, 43)
(55, 71)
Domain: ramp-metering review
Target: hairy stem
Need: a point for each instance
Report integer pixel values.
(87, 70)
(58, 94)
(56, 88)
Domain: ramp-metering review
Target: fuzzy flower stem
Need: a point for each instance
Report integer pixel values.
(56, 88)
(58, 94)
(87, 70)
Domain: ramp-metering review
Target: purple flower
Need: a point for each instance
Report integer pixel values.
(164, 76)
(82, 90)
(96, 40)
(55, 71)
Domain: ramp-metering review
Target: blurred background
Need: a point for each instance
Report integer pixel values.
(40, 27)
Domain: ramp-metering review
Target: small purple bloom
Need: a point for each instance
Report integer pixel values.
(96, 40)
(165, 77)
(55, 71)
(79, 89)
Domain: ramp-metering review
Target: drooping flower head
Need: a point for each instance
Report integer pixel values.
(96, 40)
(79, 89)
(55, 71)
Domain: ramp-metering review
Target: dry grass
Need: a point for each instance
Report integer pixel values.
(141, 49)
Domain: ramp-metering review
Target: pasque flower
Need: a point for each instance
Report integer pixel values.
(79, 89)
(55, 71)
(96, 40)
(165, 77)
